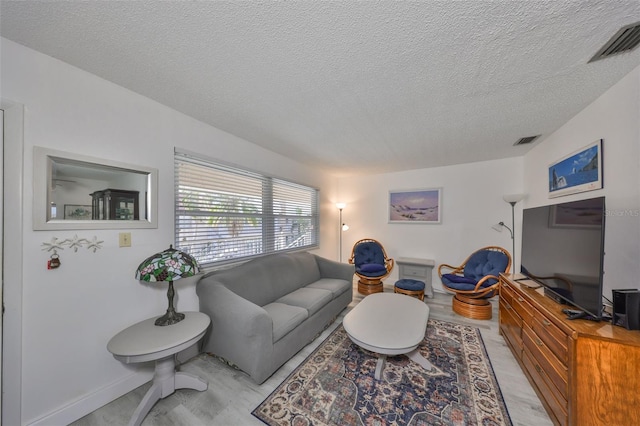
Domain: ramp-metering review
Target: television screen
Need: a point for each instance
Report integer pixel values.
(563, 250)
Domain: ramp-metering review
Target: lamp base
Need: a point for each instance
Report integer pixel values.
(171, 317)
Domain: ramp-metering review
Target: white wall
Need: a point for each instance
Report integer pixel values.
(471, 203)
(69, 314)
(615, 118)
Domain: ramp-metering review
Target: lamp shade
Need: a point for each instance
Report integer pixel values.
(168, 265)
(513, 198)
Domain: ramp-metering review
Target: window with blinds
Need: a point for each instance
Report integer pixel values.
(225, 214)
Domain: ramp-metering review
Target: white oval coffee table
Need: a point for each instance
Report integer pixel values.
(389, 324)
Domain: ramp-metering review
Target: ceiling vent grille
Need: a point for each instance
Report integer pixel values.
(524, 141)
(624, 40)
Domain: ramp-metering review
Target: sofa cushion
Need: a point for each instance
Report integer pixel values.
(335, 286)
(311, 299)
(265, 279)
(285, 318)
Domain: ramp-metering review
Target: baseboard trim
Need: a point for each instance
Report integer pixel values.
(91, 402)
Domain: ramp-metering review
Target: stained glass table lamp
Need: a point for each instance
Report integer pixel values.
(169, 265)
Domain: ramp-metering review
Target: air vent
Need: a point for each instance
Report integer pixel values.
(524, 141)
(624, 40)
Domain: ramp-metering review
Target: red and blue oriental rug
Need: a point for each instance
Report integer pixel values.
(335, 385)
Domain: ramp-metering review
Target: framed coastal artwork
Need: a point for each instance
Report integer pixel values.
(415, 206)
(579, 171)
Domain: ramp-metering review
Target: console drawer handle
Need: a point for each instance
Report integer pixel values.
(538, 369)
(539, 342)
(546, 322)
(520, 299)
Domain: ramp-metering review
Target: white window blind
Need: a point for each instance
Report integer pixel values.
(225, 214)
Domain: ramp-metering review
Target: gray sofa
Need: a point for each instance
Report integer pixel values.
(264, 311)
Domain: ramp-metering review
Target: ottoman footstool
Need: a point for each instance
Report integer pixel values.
(410, 287)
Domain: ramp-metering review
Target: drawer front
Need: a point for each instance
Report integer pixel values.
(506, 293)
(555, 371)
(554, 338)
(523, 308)
(556, 405)
(511, 327)
(409, 271)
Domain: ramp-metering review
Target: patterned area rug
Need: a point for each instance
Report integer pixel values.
(335, 385)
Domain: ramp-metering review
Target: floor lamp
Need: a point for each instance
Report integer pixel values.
(512, 199)
(342, 226)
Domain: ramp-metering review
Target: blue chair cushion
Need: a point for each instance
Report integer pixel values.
(410, 285)
(368, 252)
(459, 279)
(457, 284)
(372, 267)
(467, 286)
(485, 262)
(369, 259)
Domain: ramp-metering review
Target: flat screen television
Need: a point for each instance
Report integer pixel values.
(563, 250)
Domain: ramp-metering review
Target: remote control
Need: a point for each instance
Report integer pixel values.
(576, 314)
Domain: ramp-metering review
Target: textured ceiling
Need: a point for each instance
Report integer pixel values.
(352, 87)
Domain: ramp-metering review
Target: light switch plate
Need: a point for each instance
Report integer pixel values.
(125, 239)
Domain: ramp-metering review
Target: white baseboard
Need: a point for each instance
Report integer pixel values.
(91, 402)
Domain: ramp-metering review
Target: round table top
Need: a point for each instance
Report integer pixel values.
(145, 338)
(387, 323)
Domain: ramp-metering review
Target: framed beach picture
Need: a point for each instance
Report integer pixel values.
(77, 212)
(415, 206)
(578, 214)
(579, 171)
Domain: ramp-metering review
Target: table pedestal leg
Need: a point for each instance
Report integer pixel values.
(382, 359)
(190, 381)
(417, 357)
(165, 382)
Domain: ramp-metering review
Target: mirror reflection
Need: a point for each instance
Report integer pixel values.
(93, 192)
(87, 193)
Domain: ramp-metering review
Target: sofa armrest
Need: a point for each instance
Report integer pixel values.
(241, 331)
(332, 269)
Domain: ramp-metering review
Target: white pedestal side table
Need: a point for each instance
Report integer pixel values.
(146, 341)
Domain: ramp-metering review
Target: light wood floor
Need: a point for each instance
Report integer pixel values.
(232, 395)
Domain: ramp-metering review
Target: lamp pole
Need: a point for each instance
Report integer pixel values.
(513, 199)
(340, 206)
(513, 239)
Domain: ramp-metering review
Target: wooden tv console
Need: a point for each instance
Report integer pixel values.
(585, 372)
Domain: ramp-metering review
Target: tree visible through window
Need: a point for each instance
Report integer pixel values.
(224, 214)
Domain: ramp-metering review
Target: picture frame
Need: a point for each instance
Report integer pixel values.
(579, 171)
(77, 212)
(586, 214)
(421, 206)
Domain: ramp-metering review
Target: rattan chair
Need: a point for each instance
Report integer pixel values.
(475, 281)
(372, 265)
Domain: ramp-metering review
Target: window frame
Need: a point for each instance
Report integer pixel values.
(274, 214)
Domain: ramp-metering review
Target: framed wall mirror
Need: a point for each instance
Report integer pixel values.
(74, 191)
